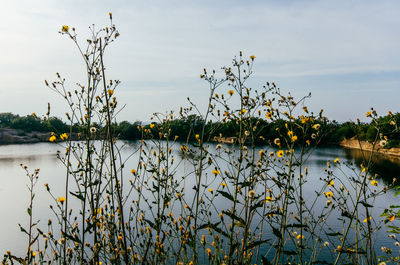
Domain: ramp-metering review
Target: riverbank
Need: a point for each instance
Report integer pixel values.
(16, 136)
(367, 146)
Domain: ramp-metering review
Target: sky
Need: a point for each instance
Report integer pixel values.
(346, 53)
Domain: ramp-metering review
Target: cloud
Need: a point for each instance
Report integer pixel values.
(165, 44)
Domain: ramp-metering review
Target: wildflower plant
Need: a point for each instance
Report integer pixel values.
(242, 200)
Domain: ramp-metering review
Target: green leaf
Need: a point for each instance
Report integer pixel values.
(255, 243)
(22, 229)
(226, 195)
(233, 216)
(276, 232)
(365, 204)
(77, 195)
(29, 210)
(334, 234)
(257, 205)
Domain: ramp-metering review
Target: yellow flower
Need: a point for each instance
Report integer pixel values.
(268, 115)
(152, 126)
(329, 194)
(391, 219)
(230, 92)
(64, 136)
(316, 126)
(277, 141)
(65, 28)
(290, 133)
(61, 199)
(268, 199)
(280, 153)
(368, 114)
(252, 57)
(52, 138)
(294, 138)
(261, 153)
(374, 183)
(331, 183)
(336, 160)
(367, 219)
(197, 136)
(210, 189)
(339, 248)
(208, 251)
(216, 172)
(243, 111)
(300, 236)
(223, 184)
(133, 171)
(110, 92)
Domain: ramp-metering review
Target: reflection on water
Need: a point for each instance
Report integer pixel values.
(14, 197)
(387, 167)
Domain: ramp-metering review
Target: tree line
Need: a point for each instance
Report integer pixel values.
(185, 128)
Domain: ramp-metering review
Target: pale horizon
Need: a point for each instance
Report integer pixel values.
(346, 53)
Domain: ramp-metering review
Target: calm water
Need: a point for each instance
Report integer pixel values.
(14, 194)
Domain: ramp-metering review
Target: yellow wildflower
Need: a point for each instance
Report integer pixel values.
(52, 138)
(316, 126)
(368, 114)
(280, 153)
(208, 251)
(252, 57)
(64, 136)
(294, 138)
(216, 172)
(110, 92)
(331, 183)
(210, 189)
(230, 92)
(367, 219)
(65, 28)
(61, 199)
(336, 160)
(329, 194)
(374, 183)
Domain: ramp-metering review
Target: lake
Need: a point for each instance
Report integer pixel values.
(14, 195)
